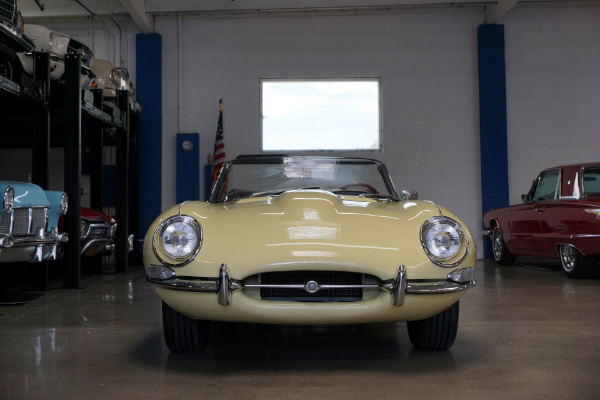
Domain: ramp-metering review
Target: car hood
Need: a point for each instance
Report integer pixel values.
(93, 215)
(307, 229)
(27, 194)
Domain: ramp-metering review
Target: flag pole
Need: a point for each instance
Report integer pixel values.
(219, 149)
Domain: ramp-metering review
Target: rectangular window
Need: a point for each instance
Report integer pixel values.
(548, 186)
(320, 114)
(591, 181)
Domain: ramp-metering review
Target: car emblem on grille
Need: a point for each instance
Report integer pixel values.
(312, 287)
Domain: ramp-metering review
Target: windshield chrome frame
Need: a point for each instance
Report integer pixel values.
(214, 193)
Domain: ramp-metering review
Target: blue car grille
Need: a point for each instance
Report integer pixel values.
(25, 220)
(8, 10)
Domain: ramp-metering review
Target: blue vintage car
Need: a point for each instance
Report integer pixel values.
(29, 222)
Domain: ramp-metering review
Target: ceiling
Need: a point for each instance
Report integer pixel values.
(143, 11)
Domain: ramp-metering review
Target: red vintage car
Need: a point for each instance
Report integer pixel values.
(559, 218)
(97, 232)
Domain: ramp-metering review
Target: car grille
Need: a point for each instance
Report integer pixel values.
(95, 247)
(303, 277)
(99, 231)
(25, 220)
(8, 10)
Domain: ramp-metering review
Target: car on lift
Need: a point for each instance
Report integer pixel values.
(29, 222)
(57, 45)
(12, 39)
(559, 218)
(109, 80)
(308, 240)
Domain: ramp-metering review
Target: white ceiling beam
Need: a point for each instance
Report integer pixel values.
(137, 10)
(183, 6)
(495, 12)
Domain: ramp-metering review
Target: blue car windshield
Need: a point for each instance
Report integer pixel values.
(270, 176)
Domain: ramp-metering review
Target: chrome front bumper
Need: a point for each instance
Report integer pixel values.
(42, 246)
(164, 277)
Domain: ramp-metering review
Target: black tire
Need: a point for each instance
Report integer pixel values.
(575, 264)
(184, 334)
(6, 70)
(435, 333)
(11, 70)
(502, 254)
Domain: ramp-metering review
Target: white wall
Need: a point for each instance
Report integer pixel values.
(553, 90)
(427, 62)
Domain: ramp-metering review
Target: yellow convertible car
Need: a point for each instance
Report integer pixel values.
(308, 240)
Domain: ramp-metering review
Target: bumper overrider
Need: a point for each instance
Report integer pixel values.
(39, 247)
(164, 277)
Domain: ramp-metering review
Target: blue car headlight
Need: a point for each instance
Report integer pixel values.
(8, 199)
(444, 241)
(177, 240)
(64, 203)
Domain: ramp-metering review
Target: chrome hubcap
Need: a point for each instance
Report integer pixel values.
(568, 256)
(497, 245)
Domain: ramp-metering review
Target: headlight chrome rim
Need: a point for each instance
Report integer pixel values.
(8, 200)
(113, 230)
(463, 249)
(64, 203)
(158, 246)
(83, 227)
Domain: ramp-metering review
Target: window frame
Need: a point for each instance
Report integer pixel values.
(556, 193)
(379, 81)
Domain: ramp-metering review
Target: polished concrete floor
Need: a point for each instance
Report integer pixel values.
(526, 332)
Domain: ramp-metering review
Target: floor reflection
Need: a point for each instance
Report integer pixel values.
(519, 328)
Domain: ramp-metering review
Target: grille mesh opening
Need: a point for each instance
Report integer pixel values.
(22, 226)
(7, 9)
(303, 277)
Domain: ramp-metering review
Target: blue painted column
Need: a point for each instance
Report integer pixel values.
(492, 121)
(149, 95)
(188, 167)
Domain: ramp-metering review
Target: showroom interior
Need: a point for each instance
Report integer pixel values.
(476, 98)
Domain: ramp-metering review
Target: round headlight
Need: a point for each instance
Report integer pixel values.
(64, 203)
(82, 226)
(444, 241)
(179, 239)
(8, 199)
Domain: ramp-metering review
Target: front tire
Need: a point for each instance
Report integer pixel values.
(184, 334)
(11, 70)
(6, 70)
(502, 254)
(575, 264)
(435, 333)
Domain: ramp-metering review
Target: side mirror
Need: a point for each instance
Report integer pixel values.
(526, 198)
(409, 195)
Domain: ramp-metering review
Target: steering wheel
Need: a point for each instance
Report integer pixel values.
(362, 184)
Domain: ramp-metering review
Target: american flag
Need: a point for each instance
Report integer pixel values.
(219, 151)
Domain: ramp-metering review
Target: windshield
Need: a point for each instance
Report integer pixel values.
(260, 176)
